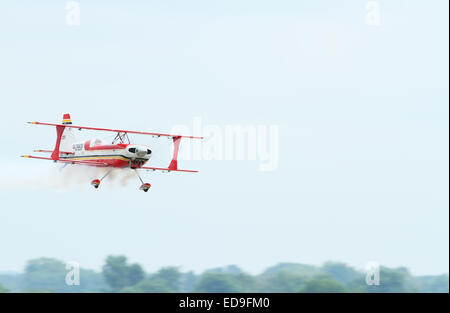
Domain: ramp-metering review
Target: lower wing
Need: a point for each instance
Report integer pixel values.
(97, 164)
(65, 161)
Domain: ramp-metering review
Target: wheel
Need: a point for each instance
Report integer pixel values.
(145, 187)
(95, 183)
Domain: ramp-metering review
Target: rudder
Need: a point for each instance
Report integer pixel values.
(68, 137)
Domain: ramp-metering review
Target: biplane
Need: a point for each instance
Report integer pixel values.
(120, 153)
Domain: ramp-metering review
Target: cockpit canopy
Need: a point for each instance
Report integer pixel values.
(97, 142)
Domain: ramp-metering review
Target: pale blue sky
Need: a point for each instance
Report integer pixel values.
(362, 113)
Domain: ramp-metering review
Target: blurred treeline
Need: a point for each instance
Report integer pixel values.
(117, 275)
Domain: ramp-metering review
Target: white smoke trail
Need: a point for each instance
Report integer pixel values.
(56, 176)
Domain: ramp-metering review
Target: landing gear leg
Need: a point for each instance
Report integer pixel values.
(145, 186)
(96, 182)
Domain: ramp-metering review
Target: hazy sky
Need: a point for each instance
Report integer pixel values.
(363, 121)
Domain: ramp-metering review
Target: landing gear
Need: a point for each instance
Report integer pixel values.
(96, 182)
(145, 186)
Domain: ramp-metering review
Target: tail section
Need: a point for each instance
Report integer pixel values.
(66, 119)
(68, 137)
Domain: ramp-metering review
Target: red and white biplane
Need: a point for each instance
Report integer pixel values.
(120, 153)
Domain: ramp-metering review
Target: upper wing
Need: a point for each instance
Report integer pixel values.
(117, 130)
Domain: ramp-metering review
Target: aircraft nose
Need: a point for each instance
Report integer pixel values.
(141, 152)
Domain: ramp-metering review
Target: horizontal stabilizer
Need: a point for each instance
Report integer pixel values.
(167, 169)
(50, 151)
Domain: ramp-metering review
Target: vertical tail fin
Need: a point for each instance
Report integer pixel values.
(68, 136)
(66, 119)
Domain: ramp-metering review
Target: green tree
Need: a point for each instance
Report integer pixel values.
(216, 282)
(230, 269)
(187, 281)
(243, 281)
(322, 285)
(171, 276)
(246, 283)
(438, 283)
(49, 275)
(3, 289)
(11, 281)
(166, 279)
(45, 274)
(394, 280)
(90, 281)
(135, 274)
(293, 269)
(340, 272)
(283, 282)
(118, 274)
(150, 285)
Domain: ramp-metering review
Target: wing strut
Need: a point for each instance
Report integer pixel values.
(59, 132)
(174, 163)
